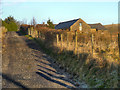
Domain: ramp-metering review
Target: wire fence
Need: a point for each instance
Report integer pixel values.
(97, 44)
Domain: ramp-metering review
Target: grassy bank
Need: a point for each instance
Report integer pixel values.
(97, 73)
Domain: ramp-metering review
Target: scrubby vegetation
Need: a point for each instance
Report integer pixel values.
(10, 23)
(50, 24)
(3, 32)
(98, 70)
(24, 29)
(113, 28)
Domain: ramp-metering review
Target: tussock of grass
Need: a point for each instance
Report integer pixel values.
(29, 37)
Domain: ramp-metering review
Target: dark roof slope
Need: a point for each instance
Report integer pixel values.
(98, 26)
(65, 25)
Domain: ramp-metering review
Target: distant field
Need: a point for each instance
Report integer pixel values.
(112, 27)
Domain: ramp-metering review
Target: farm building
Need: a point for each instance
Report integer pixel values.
(79, 24)
(97, 26)
(42, 26)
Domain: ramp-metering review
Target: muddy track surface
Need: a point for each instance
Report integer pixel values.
(25, 66)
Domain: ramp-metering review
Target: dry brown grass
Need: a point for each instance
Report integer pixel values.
(102, 65)
(113, 28)
(105, 44)
(3, 31)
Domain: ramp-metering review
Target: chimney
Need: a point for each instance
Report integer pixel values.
(43, 23)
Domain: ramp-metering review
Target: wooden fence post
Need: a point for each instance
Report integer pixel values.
(92, 42)
(68, 43)
(57, 36)
(38, 34)
(35, 33)
(76, 42)
(119, 44)
(111, 37)
(32, 31)
(28, 31)
(61, 42)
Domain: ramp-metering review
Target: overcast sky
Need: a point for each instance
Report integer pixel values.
(90, 12)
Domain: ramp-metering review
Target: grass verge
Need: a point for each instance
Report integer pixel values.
(95, 72)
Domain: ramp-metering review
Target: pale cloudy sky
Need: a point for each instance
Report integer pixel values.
(91, 11)
(60, 0)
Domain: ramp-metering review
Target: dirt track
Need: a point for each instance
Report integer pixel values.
(25, 66)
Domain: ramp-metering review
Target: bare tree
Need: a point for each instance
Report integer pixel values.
(24, 21)
(33, 22)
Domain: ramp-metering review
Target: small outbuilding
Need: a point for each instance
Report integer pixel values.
(73, 25)
(97, 26)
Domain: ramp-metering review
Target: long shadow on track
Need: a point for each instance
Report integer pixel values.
(42, 72)
(9, 79)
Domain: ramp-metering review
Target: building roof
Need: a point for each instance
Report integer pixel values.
(65, 25)
(41, 25)
(98, 26)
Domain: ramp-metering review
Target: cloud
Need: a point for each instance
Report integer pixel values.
(60, 0)
(15, 2)
(12, 2)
